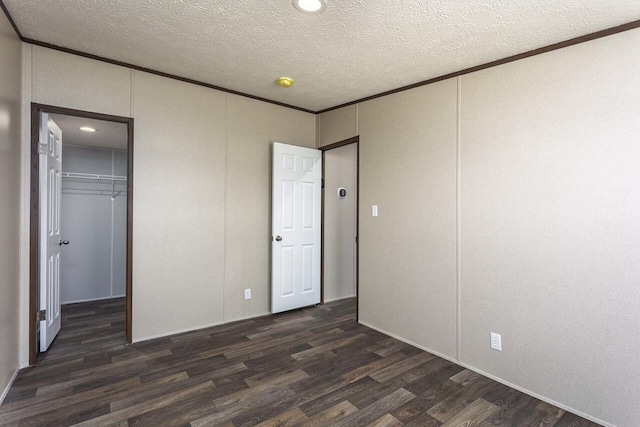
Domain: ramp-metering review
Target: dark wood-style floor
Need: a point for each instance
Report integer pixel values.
(314, 367)
(89, 327)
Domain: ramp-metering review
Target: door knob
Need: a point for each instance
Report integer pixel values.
(278, 238)
(63, 242)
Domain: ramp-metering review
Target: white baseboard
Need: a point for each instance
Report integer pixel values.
(537, 396)
(6, 390)
(197, 328)
(91, 299)
(176, 332)
(493, 377)
(211, 325)
(251, 316)
(428, 350)
(339, 299)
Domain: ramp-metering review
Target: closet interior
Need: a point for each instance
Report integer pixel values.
(93, 219)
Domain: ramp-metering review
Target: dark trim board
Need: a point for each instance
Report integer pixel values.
(322, 234)
(140, 68)
(161, 73)
(34, 202)
(353, 140)
(34, 232)
(577, 40)
(11, 21)
(129, 262)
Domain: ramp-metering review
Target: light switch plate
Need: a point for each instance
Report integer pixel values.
(374, 210)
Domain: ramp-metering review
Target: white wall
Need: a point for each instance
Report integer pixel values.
(340, 170)
(10, 83)
(201, 160)
(94, 263)
(510, 204)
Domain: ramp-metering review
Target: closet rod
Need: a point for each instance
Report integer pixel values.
(95, 177)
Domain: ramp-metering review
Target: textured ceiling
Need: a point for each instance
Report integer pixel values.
(109, 134)
(354, 49)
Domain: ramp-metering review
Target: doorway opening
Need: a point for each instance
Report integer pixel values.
(80, 232)
(340, 202)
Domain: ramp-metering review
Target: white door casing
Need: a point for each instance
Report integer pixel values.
(50, 241)
(296, 243)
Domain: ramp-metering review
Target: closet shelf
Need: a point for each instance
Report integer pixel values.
(93, 177)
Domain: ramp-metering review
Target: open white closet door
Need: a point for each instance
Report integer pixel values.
(50, 241)
(296, 244)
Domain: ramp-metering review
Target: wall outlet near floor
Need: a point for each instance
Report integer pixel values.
(247, 294)
(374, 210)
(496, 341)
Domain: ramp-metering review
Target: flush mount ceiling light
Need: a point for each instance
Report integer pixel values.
(87, 129)
(285, 82)
(309, 6)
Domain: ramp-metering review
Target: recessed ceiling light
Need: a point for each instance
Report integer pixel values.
(285, 82)
(309, 6)
(87, 129)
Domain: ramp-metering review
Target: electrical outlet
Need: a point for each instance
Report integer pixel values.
(496, 341)
(374, 210)
(247, 294)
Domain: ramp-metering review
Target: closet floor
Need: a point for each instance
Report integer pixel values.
(88, 327)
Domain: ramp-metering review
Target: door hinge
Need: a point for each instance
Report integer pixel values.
(41, 315)
(42, 148)
(322, 185)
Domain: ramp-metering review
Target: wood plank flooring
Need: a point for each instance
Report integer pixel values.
(88, 327)
(309, 367)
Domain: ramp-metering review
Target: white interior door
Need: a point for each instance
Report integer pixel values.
(50, 241)
(295, 269)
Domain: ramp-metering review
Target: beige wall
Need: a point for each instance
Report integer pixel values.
(251, 127)
(10, 83)
(201, 179)
(337, 125)
(73, 81)
(340, 170)
(178, 208)
(549, 230)
(547, 153)
(408, 252)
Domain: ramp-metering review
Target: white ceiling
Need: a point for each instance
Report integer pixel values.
(354, 49)
(108, 134)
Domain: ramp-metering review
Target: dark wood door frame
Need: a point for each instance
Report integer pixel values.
(34, 212)
(348, 141)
